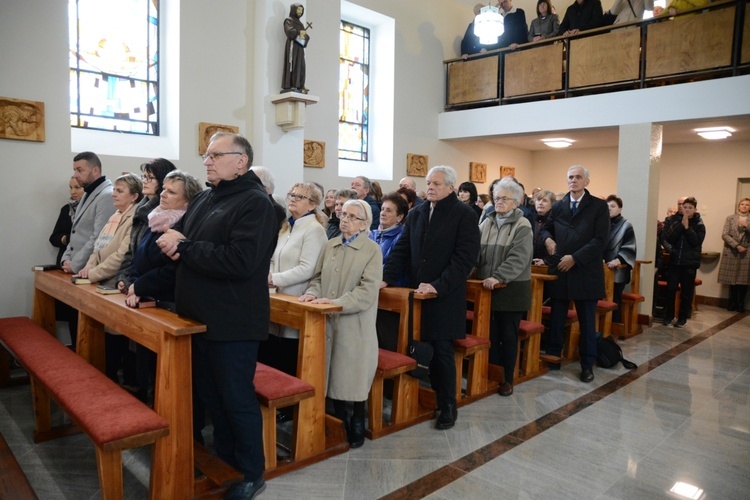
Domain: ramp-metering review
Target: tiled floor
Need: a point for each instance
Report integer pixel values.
(683, 416)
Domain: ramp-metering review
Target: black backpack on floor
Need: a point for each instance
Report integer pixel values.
(609, 354)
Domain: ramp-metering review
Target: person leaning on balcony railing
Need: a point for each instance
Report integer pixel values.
(546, 23)
(581, 15)
(470, 43)
(676, 6)
(630, 10)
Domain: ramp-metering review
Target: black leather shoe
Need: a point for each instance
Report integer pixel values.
(587, 375)
(506, 389)
(246, 490)
(356, 434)
(447, 418)
(680, 323)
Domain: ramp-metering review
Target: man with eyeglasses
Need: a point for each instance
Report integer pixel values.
(437, 251)
(223, 246)
(575, 233)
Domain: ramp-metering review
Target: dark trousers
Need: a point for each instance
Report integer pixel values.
(586, 311)
(682, 278)
(617, 299)
(63, 312)
(443, 372)
(504, 341)
(223, 374)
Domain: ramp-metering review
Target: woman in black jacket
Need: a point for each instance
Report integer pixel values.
(685, 233)
(60, 236)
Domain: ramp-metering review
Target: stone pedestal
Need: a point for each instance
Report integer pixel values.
(290, 109)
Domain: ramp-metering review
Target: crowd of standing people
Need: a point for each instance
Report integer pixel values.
(212, 255)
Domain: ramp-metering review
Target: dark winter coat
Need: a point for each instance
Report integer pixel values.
(441, 252)
(684, 244)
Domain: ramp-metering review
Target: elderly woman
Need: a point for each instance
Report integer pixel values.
(113, 240)
(392, 214)
(154, 172)
(505, 257)
(301, 241)
(734, 269)
(543, 201)
(620, 250)
(342, 195)
(151, 273)
(467, 193)
(348, 274)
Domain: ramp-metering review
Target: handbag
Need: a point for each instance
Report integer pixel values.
(420, 351)
(609, 354)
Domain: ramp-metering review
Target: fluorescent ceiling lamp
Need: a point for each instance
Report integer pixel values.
(686, 490)
(558, 142)
(713, 133)
(488, 25)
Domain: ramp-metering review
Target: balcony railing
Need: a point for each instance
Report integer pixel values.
(711, 42)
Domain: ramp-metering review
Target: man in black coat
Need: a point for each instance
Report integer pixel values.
(437, 251)
(223, 246)
(575, 234)
(582, 15)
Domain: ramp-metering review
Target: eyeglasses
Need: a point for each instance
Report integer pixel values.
(346, 216)
(147, 177)
(296, 197)
(216, 156)
(504, 199)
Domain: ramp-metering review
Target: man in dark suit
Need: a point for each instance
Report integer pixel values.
(438, 249)
(575, 234)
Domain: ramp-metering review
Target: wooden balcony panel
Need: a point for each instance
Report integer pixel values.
(592, 58)
(690, 43)
(745, 54)
(533, 71)
(472, 80)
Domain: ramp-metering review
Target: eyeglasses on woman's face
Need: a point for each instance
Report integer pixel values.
(349, 217)
(296, 197)
(147, 177)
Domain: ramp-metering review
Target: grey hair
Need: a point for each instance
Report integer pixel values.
(367, 182)
(585, 170)
(512, 187)
(349, 194)
(449, 174)
(545, 193)
(365, 208)
(192, 186)
(266, 178)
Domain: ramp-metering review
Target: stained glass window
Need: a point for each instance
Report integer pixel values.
(354, 86)
(114, 77)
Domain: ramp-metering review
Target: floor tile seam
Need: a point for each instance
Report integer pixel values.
(596, 395)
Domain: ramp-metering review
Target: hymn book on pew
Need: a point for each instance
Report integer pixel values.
(107, 290)
(80, 281)
(46, 267)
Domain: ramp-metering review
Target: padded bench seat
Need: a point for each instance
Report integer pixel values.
(112, 418)
(396, 366)
(274, 390)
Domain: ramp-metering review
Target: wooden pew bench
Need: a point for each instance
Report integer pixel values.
(13, 482)
(405, 401)
(275, 390)
(112, 418)
(630, 301)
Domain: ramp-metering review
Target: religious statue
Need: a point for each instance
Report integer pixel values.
(293, 79)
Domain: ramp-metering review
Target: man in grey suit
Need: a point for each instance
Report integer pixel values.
(94, 210)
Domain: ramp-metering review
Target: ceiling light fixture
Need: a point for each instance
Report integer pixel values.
(558, 142)
(714, 133)
(488, 25)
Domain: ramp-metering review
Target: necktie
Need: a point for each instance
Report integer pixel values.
(574, 208)
(432, 207)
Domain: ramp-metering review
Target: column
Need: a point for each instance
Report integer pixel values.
(638, 173)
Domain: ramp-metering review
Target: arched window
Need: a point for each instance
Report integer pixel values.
(114, 73)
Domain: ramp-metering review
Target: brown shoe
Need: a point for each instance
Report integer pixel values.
(505, 390)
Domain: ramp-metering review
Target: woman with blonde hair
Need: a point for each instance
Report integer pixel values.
(349, 273)
(734, 269)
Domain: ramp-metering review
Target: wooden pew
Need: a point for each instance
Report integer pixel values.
(13, 482)
(630, 325)
(317, 436)
(165, 333)
(606, 306)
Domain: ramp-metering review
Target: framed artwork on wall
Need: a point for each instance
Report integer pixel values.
(416, 165)
(505, 171)
(477, 172)
(315, 154)
(22, 120)
(206, 130)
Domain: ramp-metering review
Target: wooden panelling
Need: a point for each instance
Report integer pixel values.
(472, 80)
(745, 54)
(690, 43)
(532, 71)
(592, 58)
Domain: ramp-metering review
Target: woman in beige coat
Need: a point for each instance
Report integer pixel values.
(114, 239)
(348, 274)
